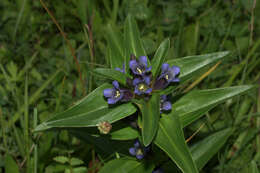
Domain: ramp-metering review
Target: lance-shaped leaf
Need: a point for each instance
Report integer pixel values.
(160, 56)
(112, 74)
(191, 64)
(90, 111)
(150, 117)
(132, 40)
(125, 165)
(196, 103)
(170, 139)
(205, 149)
(115, 41)
(126, 133)
(253, 167)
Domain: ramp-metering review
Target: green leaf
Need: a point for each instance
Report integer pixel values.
(61, 159)
(112, 74)
(126, 133)
(196, 103)
(10, 165)
(115, 41)
(205, 149)
(191, 64)
(133, 43)
(170, 139)
(125, 165)
(160, 56)
(88, 112)
(75, 161)
(150, 117)
(253, 167)
(80, 170)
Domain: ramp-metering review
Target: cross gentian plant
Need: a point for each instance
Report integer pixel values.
(141, 89)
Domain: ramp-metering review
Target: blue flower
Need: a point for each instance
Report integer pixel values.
(165, 105)
(113, 94)
(137, 150)
(121, 70)
(139, 67)
(142, 85)
(158, 170)
(170, 73)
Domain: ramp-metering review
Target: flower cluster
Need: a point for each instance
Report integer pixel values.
(143, 83)
(138, 151)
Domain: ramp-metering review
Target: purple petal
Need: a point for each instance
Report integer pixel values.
(140, 156)
(115, 84)
(111, 101)
(175, 80)
(163, 97)
(137, 90)
(148, 69)
(147, 80)
(143, 60)
(136, 81)
(119, 69)
(167, 106)
(176, 70)
(148, 91)
(165, 67)
(133, 64)
(108, 92)
(137, 143)
(132, 151)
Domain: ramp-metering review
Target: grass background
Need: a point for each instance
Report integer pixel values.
(39, 76)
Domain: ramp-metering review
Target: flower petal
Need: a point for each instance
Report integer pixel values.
(136, 81)
(137, 90)
(140, 156)
(111, 101)
(132, 151)
(148, 91)
(119, 69)
(176, 70)
(163, 97)
(165, 67)
(137, 143)
(147, 80)
(167, 106)
(175, 80)
(143, 61)
(108, 92)
(115, 84)
(148, 69)
(133, 64)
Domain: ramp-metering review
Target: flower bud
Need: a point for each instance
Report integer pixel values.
(104, 127)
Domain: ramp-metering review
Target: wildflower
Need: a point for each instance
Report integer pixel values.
(169, 73)
(139, 67)
(137, 150)
(121, 70)
(113, 94)
(104, 127)
(165, 105)
(158, 170)
(142, 85)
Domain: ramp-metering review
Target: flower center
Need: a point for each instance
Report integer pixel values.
(117, 94)
(142, 87)
(139, 152)
(166, 76)
(139, 70)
